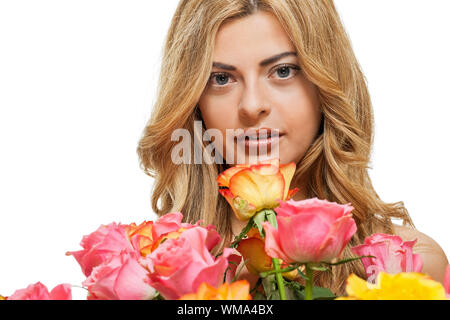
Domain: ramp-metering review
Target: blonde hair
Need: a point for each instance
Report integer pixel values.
(335, 167)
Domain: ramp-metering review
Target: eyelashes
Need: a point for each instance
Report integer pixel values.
(224, 76)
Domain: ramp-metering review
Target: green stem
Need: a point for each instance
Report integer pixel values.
(243, 233)
(309, 283)
(271, 217)
(268, 273)
(279, 277)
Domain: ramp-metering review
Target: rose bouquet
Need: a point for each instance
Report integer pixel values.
(283, 242)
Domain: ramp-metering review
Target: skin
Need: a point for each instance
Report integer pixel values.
(434, 259)
(276, 95)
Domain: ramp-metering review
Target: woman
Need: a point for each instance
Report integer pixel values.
(286, 65)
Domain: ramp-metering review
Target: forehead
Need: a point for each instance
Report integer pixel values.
(256, 36)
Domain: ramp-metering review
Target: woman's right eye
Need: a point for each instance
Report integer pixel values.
(219, 79)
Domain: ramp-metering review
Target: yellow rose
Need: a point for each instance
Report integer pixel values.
(399, 286)
(251, 188)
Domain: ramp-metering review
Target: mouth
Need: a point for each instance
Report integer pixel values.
(261, 140)
(260, 135)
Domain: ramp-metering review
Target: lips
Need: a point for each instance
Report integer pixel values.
(261, 141)
(259, 134)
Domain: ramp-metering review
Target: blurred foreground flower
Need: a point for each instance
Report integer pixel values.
(238, 290)
(38, 291)
(400, 286)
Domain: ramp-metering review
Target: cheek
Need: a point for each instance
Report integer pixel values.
(300, 110)
(218, 112)
(303, 125)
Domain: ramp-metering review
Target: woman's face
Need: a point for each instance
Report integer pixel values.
(248, 90)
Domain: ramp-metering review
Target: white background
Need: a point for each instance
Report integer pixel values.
(77, 82)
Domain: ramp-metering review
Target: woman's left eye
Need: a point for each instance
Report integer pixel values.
(284, 71)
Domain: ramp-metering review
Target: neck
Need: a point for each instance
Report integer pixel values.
(237, 225)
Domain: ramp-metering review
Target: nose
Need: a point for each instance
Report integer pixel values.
(254, 106)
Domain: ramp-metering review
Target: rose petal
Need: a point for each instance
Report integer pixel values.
(272, 244)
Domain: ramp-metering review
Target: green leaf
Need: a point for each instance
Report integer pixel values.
(258, 296)
(158, 296)
(275, 296)
(258, 219)
(301, 274)
(290, 293)
(323, 293)
(347, 260)
(266, 273)
(297, 289)
(238, 272)
(319, 268)
(270, 288)
(242, 234)
(272, 218)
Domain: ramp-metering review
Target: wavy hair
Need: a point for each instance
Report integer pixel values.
(335, 167)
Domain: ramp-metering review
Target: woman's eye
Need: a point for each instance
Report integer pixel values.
(285, 71)
(282, 72)
(219, 79)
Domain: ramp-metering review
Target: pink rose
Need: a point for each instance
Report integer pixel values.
(38, 291)
(120, 278)
(171, 222)
(393, 255)
(178, 266)
(311, 230)
(99, 246)
(109, 240)
(447, 281)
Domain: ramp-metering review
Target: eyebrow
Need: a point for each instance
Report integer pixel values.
(263, 63)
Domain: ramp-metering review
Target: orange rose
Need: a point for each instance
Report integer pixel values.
(253, 253)
(238, 290)
(142, 236)
(256, 258)
(147, 236)
(251, 188)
